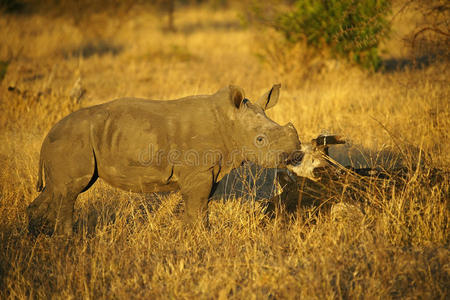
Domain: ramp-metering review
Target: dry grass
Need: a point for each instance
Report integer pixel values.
(399, 247)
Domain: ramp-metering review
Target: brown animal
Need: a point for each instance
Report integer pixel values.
(315, 156)
(302, 182)
(141, 145)
(318, 177)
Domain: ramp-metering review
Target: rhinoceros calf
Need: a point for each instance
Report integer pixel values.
(140, 145)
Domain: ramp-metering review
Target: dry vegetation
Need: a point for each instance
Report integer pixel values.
(398, 248)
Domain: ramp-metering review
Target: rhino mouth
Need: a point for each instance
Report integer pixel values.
(293, 159)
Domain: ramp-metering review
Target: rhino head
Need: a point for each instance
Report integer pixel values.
(255, 136)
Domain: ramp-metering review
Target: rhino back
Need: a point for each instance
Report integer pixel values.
(133, 138)
(130, 124)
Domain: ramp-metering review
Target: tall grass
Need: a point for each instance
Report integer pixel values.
(396, 244)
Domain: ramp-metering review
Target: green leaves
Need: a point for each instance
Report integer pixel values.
(350, 29)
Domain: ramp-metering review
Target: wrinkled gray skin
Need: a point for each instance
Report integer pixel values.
(141, 145)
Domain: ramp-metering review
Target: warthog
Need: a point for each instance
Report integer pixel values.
(321, 175)
(140, 145)
(315, 156)
(301, 182)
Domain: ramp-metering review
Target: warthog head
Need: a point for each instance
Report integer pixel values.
(260, 139)
(315, 156)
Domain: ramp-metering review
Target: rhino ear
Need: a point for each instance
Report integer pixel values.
(270, 98)
(236, 95)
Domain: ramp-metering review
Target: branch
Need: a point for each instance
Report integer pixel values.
(433, 29)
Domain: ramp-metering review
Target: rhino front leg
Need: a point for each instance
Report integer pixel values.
(196, 192)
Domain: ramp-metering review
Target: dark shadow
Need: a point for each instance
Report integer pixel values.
(401, 64)
(100, 47)
(249, 182)
(13, 7)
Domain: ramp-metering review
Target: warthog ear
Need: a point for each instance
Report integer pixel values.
(270, 98)
(236, 95)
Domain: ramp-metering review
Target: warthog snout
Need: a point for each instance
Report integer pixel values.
(314, 156)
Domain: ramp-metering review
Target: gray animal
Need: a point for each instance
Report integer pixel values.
(139, 145)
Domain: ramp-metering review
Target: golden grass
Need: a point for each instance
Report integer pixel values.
(399, 248)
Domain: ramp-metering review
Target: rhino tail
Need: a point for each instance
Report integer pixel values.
(40, 182)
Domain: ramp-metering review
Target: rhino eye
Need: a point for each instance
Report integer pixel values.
(261, 140)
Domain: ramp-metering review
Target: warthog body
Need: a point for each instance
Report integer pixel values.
(140, 145)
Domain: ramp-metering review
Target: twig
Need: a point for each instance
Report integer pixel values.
(436, 30)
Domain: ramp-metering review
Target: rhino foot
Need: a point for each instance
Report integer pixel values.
(40, 218)
(49, 214)
(37, 225)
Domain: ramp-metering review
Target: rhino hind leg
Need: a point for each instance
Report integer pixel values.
(39, 221)
(52, 211)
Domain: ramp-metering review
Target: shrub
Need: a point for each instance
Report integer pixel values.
(351, 29)
(11, 6)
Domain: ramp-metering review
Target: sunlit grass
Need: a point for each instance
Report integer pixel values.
(136, 246)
